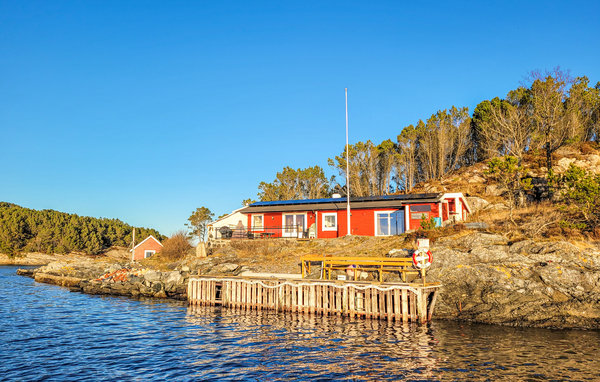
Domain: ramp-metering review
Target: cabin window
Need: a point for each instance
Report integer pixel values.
(330, 221)
(382, 223)
(425, 208)
(389, 223)
(149, 252)
(257, 221)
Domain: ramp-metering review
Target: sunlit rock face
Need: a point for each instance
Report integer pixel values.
(527, 283)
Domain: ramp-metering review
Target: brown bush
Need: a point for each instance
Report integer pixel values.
(176, 247)
(587, 148)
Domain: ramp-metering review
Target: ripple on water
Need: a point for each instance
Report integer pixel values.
(51, 334)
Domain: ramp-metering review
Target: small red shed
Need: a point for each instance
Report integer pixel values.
(148, 247)
(370, 216)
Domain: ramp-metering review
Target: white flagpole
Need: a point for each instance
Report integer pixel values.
(347, 171)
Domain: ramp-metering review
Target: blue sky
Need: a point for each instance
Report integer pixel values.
(145, 110)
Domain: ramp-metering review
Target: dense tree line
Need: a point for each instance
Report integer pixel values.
(49, 231)
(554, 109)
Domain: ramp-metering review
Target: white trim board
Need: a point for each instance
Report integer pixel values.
(145, 240)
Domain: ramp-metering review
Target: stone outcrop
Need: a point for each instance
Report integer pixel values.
(128, 279)
(542, 284)
(113, 279)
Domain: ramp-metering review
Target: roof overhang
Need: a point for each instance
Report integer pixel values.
(338, 205)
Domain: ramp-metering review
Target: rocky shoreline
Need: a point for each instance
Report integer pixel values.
(116, 281)
(485, 278)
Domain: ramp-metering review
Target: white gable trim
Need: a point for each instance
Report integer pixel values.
(459, 195)
(147, 239)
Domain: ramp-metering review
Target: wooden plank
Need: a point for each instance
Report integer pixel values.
(374, 307)
(234, 294)
(205, 289)
(413, 306)
(338, 301)
(317, 298)
(238, 296)
(421, 307)
(360, 302)
(351, 301)
(199, 292)
(368, 306)
(294, 293)
(202, 291)
(397, 305)
(345, 307)
(279, 305)
(325, 310)
(432, 305)
(257, 302)
(300, 299)
(244, 300)
(199, 295)
(192, 291)
(404, 305)
(273, 294)
(389, 310)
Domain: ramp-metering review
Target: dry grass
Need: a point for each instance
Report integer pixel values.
(281, 255)
(159, 263)
(542, 221)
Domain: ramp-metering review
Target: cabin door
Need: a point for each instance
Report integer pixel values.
(397, 222)
(294, 225)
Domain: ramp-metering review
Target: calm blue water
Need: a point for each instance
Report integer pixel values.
(49, 333)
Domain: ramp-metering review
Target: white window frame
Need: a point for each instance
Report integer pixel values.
(389, 212)
(148, 253)
(323, 215)
(262, 226)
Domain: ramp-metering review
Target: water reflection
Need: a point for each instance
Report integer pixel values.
(52, 334)
(347, 348)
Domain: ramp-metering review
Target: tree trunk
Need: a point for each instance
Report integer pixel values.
(548, 157)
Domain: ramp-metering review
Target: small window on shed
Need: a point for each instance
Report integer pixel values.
(148, 253)
(424, 208)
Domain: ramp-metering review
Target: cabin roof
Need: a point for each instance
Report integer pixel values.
(340, 203)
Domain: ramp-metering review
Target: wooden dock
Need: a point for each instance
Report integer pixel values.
(385, 301)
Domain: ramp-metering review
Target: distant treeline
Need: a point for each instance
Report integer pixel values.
(28, 230)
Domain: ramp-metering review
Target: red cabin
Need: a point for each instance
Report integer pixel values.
(148, 247)
(370, 216)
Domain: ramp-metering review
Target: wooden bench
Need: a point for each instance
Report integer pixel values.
(381, 265)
